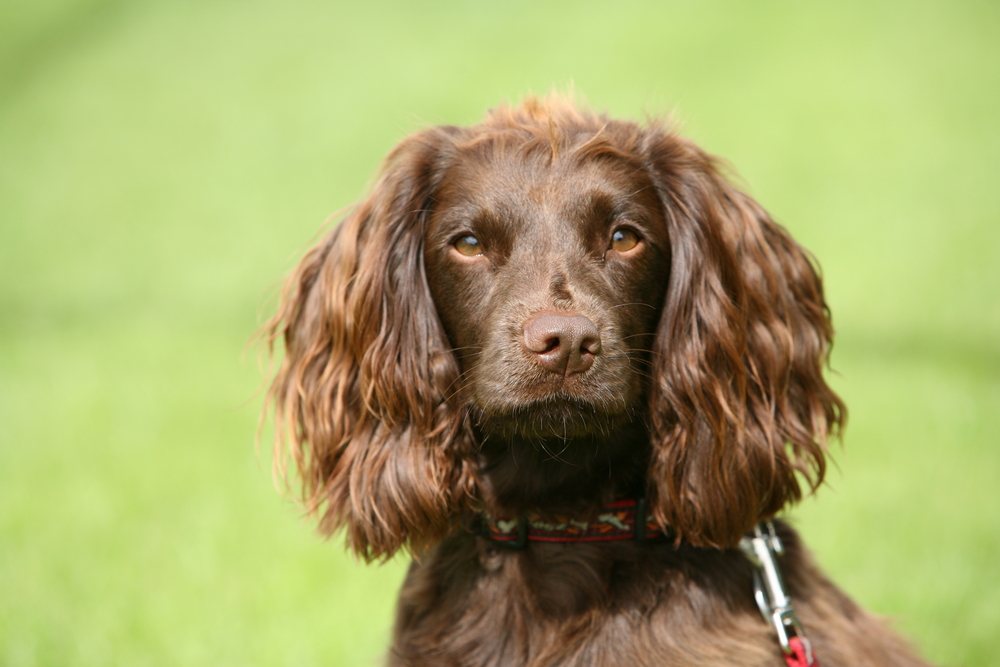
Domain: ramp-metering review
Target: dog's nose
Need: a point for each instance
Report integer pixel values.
(562, 342)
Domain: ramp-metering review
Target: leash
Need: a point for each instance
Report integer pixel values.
(762, 547)
(629, 520)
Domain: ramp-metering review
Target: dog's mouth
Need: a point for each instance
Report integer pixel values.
(511, 396)
(560, 415)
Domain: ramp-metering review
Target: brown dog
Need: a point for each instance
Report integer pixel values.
(570, 335)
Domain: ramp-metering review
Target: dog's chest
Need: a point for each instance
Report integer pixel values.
(474, 606)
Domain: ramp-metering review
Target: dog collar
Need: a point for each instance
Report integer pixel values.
(618, 521)
(628, 520)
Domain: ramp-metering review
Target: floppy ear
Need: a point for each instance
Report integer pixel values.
(360, 398)
(739, 407)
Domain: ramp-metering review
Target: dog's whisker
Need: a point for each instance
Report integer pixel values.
(635, 303)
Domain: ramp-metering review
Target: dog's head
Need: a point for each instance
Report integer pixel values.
(552, 273)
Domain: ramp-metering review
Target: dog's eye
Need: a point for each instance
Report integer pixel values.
(468, 245)
(623, 240)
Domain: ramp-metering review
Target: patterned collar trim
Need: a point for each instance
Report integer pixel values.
(618, 521)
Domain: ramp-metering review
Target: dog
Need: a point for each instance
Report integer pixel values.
(576, 373)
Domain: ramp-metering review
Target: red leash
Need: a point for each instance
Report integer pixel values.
(799, 657)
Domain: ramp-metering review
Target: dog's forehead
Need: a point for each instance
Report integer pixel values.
(522, 185)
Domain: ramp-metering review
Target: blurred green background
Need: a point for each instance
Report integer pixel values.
(164, 164)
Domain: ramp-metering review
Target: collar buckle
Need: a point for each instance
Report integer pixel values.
(762, 547)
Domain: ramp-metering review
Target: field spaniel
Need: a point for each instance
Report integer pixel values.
(575, 372)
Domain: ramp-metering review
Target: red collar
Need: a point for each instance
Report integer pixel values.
(617, 521)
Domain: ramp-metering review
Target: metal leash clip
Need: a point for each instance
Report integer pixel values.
(761, 548)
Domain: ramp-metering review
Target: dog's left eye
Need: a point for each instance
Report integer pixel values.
(468, 245)
(623, 239)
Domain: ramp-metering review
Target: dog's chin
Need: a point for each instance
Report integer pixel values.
(559, 416)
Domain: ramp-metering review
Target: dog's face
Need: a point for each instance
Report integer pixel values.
(548, 274)
(551, 273)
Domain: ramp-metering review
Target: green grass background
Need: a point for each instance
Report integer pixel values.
(163, 165)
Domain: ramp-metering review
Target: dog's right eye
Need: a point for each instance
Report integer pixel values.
(624, 240)
(468, 245)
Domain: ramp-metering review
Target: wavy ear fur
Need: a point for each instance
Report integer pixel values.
(739, 407)
(360, 398)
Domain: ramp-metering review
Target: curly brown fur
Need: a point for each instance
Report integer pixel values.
(545, 312)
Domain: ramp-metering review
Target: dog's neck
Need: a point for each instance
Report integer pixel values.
(562, 475)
